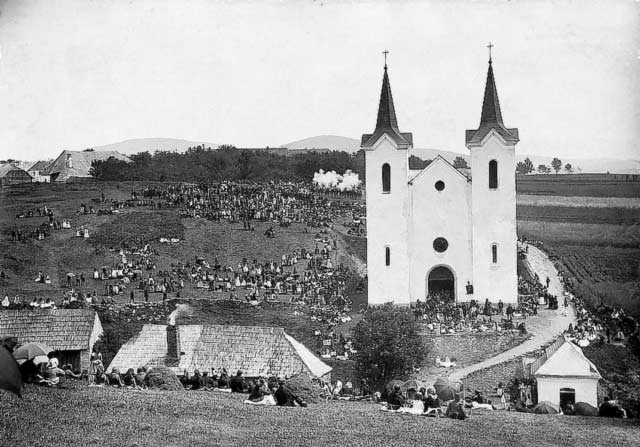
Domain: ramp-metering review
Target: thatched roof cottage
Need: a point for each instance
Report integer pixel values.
(71, 333)
(256, 351)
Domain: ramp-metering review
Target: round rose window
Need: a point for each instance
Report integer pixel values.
(440, 244)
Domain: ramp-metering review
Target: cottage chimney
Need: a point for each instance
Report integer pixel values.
(173, 345)
(69, 161)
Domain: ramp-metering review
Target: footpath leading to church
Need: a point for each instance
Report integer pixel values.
(543, 330)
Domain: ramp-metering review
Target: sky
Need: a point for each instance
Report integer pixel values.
(77, 74)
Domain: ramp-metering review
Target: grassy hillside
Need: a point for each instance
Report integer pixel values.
(97, 417)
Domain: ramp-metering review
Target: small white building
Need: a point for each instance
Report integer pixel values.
(435, 230)
(567, 376)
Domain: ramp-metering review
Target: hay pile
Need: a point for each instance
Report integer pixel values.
(303, 387)
(162, 378)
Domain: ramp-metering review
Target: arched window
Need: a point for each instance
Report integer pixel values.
(387, 256)
(493, 174)
(494, 253)
(386, 178)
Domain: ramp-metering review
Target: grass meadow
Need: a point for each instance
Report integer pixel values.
(94, 416)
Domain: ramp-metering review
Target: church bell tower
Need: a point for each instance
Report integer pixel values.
(387, 196)
(493, 199)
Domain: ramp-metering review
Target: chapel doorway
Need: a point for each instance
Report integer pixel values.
(441, 284)
(567, 397)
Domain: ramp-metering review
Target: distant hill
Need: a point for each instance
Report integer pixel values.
(151, 145)
(591, 165)
(333, 142)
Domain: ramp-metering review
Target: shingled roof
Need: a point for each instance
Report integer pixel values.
(256, 351)
(60, 329)
(491, 117)
(387, 122)
(81, 163)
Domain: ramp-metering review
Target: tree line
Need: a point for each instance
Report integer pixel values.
(527, 167)
(200, 164)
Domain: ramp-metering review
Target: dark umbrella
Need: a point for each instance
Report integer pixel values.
(411, 385)
(9, 342)
(445, 389)
(31, 350)
(545, 407)
(10, 377)
(585, 409)
(392, 384)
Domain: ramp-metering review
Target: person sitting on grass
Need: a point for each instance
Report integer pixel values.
(396, 400)
(455, 410)
(285, 398)
(236, 383)
(115, 379)
(197, 382)
(431, 399)
(258, 391)
(51, 373)
(141, 373)
(129, 378)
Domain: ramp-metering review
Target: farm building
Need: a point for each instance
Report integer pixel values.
(565, 375)
(40, 171)
(71, 333)
(72, 165)
(256, 351)
(12, 175)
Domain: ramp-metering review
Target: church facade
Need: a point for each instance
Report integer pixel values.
(440, 231)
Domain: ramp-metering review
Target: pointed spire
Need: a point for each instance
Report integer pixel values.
(491, 116)
(491, 105)
(386, 111)
(387, 122)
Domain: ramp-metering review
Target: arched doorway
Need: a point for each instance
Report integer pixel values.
(441, 282)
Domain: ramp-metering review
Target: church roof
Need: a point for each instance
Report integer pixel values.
(437, 160)
(387, 122)
(491, 117)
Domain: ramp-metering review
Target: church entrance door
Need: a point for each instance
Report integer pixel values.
(441, 282)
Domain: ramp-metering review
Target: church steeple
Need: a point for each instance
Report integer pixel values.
(387, 122)
(491, 116)
(491, 105)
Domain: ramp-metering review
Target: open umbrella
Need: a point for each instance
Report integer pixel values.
(31, 350)
(445, 389)
(10, 377)
(585, 409)
(546, 407)
(411, 385)
(392, 384)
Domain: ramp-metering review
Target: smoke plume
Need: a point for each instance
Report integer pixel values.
(350, 180)
(181, 310)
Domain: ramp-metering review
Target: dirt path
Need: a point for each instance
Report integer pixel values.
(544, 327)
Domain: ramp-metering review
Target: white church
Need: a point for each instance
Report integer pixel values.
(435, 231)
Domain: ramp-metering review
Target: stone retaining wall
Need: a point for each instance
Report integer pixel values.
(469, 349)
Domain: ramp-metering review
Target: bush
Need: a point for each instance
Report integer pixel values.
(162, 378)
(388, 343)
(302, 386)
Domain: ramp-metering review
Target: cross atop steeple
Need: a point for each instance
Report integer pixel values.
(385, 52)
(490, 46)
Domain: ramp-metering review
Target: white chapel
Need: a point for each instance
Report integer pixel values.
(435, 231)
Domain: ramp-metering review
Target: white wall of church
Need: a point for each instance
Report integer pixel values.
(446, 214)
(387, 224)
(494, 222)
